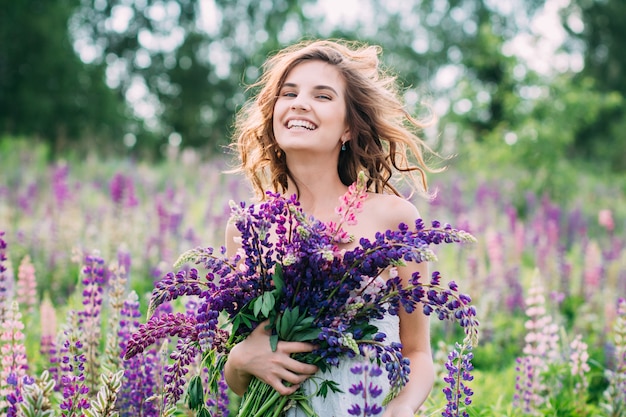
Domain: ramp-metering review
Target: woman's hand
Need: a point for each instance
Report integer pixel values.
(254, 357)
(398, 411)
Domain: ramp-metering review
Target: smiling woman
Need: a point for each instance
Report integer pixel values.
(324, 114)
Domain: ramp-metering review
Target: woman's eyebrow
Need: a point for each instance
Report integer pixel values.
(325, 87)
(317, 87)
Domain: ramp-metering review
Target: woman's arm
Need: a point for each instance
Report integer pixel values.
(254, 357)
(415, 338)
(414, 335)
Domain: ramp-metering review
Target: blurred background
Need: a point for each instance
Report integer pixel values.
(525, 81)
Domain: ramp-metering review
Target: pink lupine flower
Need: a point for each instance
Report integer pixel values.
(540, 351)
(48, 347)
(579, 358)
(14, 362)
(593, 268)
(26, 285)
(605, 219)
(495, 245)
(349, 204)
(519, 239)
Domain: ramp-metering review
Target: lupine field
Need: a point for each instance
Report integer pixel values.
(83, 241)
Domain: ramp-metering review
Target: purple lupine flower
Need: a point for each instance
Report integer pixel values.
(218, 402)
(459, 366)
(366, 390)
(172, 286)
(449, 304)
(170, 213)
(122, 191)
(160, 327)
(3, 277)
(93, 280)
(26, 200)
(60, 185)
(48, 350)
(139, 371)
(75, 392)
(175, 373)
(124, 261)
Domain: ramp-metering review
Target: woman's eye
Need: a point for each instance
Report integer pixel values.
(324, 96)
(289, 94)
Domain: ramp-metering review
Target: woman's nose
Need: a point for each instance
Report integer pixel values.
(300, 104)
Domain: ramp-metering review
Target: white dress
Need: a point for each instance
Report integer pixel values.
(337, 404)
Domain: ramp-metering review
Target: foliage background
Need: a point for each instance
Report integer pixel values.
(532, 82)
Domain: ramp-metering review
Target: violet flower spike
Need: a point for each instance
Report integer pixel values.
(3, 277)
(175, 373)
(139, 371)
(75, 391)
(458, 393)
(161, 327)
(366, 391)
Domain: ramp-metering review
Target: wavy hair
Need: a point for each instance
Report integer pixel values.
(383, 134)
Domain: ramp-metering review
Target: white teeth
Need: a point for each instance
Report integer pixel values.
(300, 123)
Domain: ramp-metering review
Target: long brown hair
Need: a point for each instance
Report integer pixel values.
(383, 134)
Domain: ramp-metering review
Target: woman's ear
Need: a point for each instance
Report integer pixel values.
(346, 136)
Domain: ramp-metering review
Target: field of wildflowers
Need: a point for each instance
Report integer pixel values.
(82, 243)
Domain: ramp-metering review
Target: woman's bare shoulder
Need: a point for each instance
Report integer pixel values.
(392, 210)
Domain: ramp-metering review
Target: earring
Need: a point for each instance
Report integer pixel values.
(343, 146)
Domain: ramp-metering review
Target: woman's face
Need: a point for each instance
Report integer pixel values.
(310, 111)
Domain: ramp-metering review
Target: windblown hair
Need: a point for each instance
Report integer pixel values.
(382, 132)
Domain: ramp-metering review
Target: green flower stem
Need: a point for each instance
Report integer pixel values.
(259, 398)
(281, 406)
(262, 400)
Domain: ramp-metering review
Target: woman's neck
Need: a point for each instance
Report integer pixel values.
(318, 191)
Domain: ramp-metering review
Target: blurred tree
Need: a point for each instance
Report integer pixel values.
(183, 69)
(599, 25)
(45, 90)
(182, 66)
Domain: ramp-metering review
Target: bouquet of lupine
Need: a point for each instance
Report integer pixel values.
(291, 275)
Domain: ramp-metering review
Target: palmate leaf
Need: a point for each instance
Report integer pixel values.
(242, 318)
(294, 326)
(327, 386)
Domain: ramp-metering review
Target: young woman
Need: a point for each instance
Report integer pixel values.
(324, 112)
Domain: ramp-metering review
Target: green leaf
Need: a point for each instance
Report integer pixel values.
(274, 342)
(268, 303)
(195, 393)
(279, 282)
(203, 412)
(327, 385)
(257, 305)
(305, 335)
